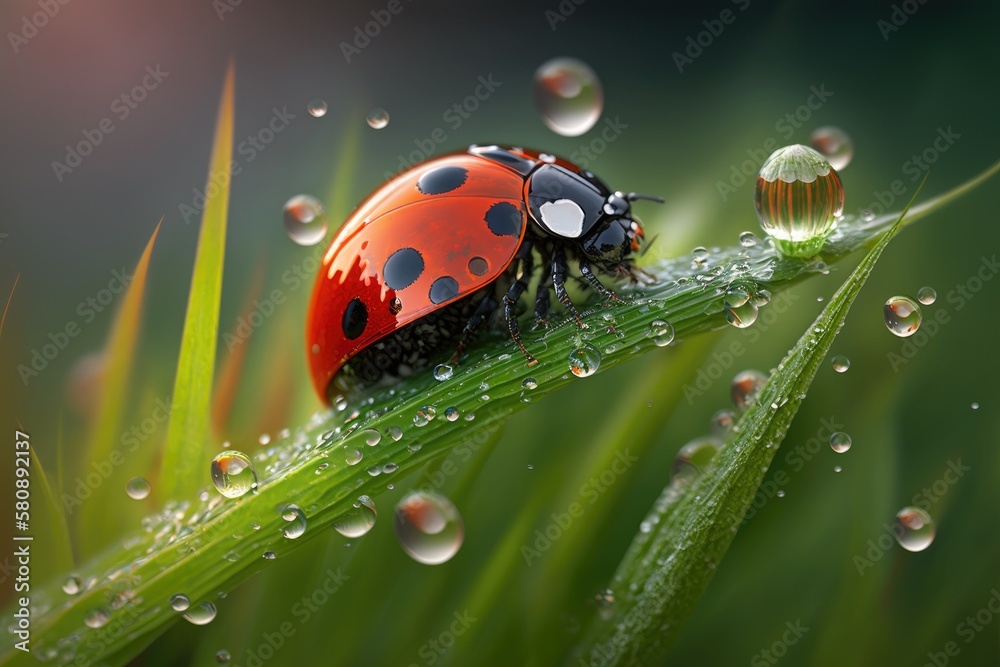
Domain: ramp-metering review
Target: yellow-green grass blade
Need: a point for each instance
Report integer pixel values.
(49, 526)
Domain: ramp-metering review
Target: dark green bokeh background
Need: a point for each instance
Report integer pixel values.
(685, 131)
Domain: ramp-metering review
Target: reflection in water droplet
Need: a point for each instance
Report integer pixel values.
(834, 144)
(358, 520)
(203, 614)
(840, 363)
(137, 488)
(529, 383)
(748, 239)
(661, 332)
(428, 527)
(222, 657)
(927, 295)
(694, 458)
(269, 555)
(378, 118)
(451, 414)
(424, 415)
(97, 618)
(568, 96)
(902, 316)
(179, 602)
(295, 518)
(233, 473)
(394, 432)
(304, 220)
(742, 316)
(840, 442)
(443, 372)
(584, 361)
(913, 529)
(722, 422)
(746, 387)
(317, 108)
(72, 585)
(372, 436)
(352, 456)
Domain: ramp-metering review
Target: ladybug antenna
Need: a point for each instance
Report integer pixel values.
(632, 196)
(647, 245)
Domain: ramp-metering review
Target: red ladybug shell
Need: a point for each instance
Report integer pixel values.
(434, 234)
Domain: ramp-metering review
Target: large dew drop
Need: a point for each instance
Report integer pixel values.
(179, 602)
(913, 529)
(295, 521)
(840, 442)
(694, 458)
(97, 618)
(233, 473)
(203, 614)
(927, 295)
(584, 361)
(358, 520)
(304, 220)
(377, 118)
(428, 527)
(568, 96)
(834, 144)
(746, 387)
(840, 363)
(902, 316)
(661, 332)
(797, 197)
(137, 488)
(317, 108)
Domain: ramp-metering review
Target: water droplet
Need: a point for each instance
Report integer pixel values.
(443, 372)
(700, 255)
(761, 298)
(927, 295)
(395, 433)
(428, 527)
(203, 614)
(222, 657)
(837, 469)
(867, 215)
(352, 456)
(748, 239)
(424, 415)
(322, 466)
(902, 316)
(469, 416)
(913, 529)
(295, 519)
(584, 361)
(694, 458)
(797, 196)
(377, 118)
(840, 442)
(743, 316)
(137, 488)
(269, 555)
(451, 414)
(179, 602)
(72, 585)
(264, 439)
(389, 468)
(840, 363)
(722, 422)
(568, 96)
(737, 295)
(358, 520)
(233, 473)
(661, 332)
(372, 436)
(97, 618)
(975, 406)
(317, 108)
(304, 219)
(529, 383)
(834, 144)
(746, 387)
(780, 493)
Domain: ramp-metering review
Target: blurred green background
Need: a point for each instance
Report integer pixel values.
(683, 133)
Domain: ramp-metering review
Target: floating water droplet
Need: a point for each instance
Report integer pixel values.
(840, 442)
(428, 527)
(797, 196)
(743, 316)
(746, 387)
(661, 332)
(233, 473)
(377, 118)
(317, 108)
(72, 585)
(97, 618)
(694, 458)
(837, 469)
(748, 239)
(902, 316)
(443, 372)
(451, 414)
(424, 415)
(568, 96)
(394, 432)
(372, 436)
(584, 361)
(269, 555)
(780, 493)
(264, 439)
(295, 519)
(927, 295)
(913, 529)
(529, 383)
(358, 520)
(722, 422)
(700, 255)
(834, 144)
(137, 488)
(304, 220)
(203, 614)
(222, 657)
(840, 363)
(352, 456)
(975, 406)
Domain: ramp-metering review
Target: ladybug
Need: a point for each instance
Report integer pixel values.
(430, 256)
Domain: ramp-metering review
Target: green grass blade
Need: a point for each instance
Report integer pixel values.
(49, 524)
(183, 468)
(664, 573)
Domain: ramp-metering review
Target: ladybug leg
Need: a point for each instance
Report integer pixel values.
(559, 271)
(542, 303)
(512, 296)
(483, 310)
(591, 278)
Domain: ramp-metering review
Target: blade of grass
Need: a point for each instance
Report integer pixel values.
(49, 524)
(664, 574)
(183, 469)
(95, 523)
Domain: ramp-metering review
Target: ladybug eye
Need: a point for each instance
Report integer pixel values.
(616, 205)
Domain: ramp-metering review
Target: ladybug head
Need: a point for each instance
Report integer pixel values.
(617, 233)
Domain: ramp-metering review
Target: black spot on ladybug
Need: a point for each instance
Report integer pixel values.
(478, 266)
(504, 219)
(355, 318)
(443, 289)
(402, 268)
(441, 180)
(395, 306)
